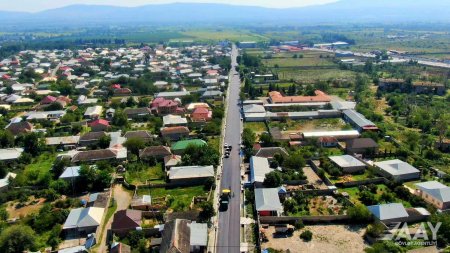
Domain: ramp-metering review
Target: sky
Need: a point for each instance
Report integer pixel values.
(39, 5)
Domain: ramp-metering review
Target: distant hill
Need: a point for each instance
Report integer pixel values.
(351, 11)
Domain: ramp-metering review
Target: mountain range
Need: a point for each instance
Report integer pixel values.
(343, 11)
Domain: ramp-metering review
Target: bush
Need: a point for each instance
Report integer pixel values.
(306, 235)
(359, 213)
(299, 224)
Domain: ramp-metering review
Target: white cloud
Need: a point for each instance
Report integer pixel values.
(39, 5)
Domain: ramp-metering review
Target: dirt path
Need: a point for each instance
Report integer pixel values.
(123, 200)
(326, 239)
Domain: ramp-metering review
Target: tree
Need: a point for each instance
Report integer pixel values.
(104, 141)
(31, 143)
(266, 140)
(359, 213)
(443, 237)
(59, 166)
(134, 145)
(385, 247)
(207, 211)
(17, 238)
(6, 139)
(306, 235)
(273, 179)
(120, 119)
(295, 161)
(200, 155)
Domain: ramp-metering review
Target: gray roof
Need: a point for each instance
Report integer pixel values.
(269, 152)
(10, 153)
(259, 167)
(267, 199)
(76, 249)
(191, 172)
(439, 191)
(388, 211)
(358, 118)
(199, 234)
(254, 108)
(346, 161)
(84, 217)
(71, 172)
(173, 94)
(396, 167)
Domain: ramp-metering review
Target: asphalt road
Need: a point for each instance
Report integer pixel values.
(228, 238)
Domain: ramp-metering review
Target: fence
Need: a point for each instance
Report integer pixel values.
(305, 219)
(316, 168)
(377, 180)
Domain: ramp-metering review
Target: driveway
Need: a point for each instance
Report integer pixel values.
(123, 200)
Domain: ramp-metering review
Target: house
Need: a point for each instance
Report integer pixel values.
(10, 154)
(347, 163)
(389, 213)
(64, 142)
(99, 125)
(122, 92)
(270, 152)
(143, 203)
(119, 247)
(174, 120)
(201, 114)
(397, 170)
(70, 173)
(125, 221)
(183, 236)
(21, 127)
(179, 147)
(192, 106)
(162, 106)
(339, 135)
(361, 146)
(211, 94)
(443, 145)
(161, 84)
(94, 156)
(84, 220)
(156, 152)
(4, 182)
(175, 133)
(267, 202)
(190, 175)
(276, 97)
(139, 134)
(137, 113)
(429, 88)
(93, 112)
(91, 138)
(48, 100)
(171, 161)
(358, 121)
(259, 168)
(327, 142)
(173, 94)
(434, 193)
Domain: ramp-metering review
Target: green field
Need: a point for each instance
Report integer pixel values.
(37, 170)
(154, 174)
(180, 198)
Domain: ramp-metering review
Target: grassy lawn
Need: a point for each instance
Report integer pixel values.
(310, 59)
(154, 174)
(256, 126)
(310, 125)
(36, 170)
(214, 142)
(180, 198)
(312, 75)
(220, 34)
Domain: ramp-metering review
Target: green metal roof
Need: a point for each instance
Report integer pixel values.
(180, 145)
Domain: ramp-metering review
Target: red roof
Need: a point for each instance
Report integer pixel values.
(48, 100)
(277, 97)
(200, 110)
(99, 122)
(6, 76)
(116, 86)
